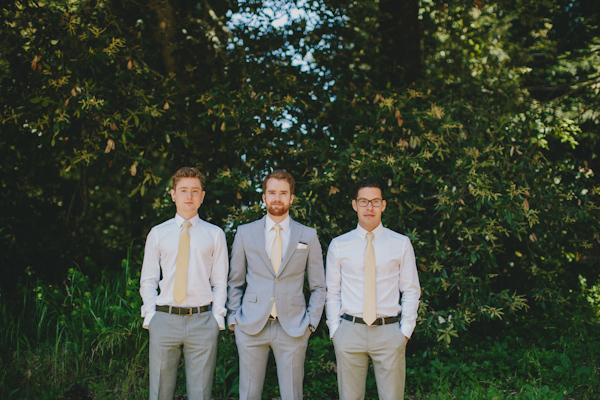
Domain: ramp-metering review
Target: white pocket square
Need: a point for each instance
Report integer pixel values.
(302, 246)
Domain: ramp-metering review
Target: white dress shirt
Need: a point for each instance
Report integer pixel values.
(271, 233)
(395, 269)
(207, 270)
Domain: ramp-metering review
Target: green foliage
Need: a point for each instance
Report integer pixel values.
(78, 333)
(67, 332)
(492, 178)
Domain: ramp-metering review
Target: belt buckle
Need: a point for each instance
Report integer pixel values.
(189, 311)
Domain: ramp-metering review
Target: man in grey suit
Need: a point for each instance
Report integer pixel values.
(267, 308)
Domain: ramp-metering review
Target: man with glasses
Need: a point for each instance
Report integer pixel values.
(367, 270)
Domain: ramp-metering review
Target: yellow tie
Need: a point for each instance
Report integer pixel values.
(183, 259)
(369, 308)
(276, 253)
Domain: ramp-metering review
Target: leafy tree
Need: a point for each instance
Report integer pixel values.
(102, 101)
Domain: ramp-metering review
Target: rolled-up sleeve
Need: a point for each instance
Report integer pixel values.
(149, 278)
(410, 288)
(333, 280)
(218, 279)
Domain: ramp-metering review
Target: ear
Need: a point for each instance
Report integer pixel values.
(291, 199)
(264, 199)
(383, 204)
(202, 197)
(354, 205)
(173, 195)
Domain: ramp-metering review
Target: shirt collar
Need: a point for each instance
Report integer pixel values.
(179, 220)
(269, 223)
(362, 232)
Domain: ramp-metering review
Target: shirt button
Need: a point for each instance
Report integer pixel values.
(272, 298)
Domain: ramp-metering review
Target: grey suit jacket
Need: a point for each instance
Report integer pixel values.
(253, 286)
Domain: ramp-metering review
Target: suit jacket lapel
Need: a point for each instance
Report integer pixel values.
(295, 233)
(258, 232)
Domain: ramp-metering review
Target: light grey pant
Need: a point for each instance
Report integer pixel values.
(195, 335)
(386, 346)
(289, 353)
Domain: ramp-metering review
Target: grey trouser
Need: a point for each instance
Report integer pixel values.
(195, 335)
(354, 344)
(289, 353)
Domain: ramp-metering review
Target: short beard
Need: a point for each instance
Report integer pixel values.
(278, 212)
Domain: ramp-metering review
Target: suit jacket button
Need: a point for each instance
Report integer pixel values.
(276, 280)
(272, 298)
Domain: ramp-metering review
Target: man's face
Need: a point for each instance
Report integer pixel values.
(369, 216)
(278, 197)
(187, 196)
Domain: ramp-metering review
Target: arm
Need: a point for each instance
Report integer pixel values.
(218, 279)
(408, 284)
(149, 278)
(334, 290)
(316, 281)
(237, 278)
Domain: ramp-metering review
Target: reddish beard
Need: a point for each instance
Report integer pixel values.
(278, 211)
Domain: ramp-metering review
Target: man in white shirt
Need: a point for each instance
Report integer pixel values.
(187, 259)
(270, 260)
(367, 269)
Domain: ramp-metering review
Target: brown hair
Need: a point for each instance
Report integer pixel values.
(187, 172)
(282, 175)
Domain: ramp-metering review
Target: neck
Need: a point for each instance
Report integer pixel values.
(278, 219)
(368, 228)
(187, 216)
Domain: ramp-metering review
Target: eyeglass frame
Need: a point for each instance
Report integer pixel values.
(358, 201)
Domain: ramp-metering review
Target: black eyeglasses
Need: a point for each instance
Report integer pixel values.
(365, 202)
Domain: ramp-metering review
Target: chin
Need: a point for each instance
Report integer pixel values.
(278, 211)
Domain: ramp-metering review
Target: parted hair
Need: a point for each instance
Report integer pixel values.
(187, 172)
(368, 182)
(282, 175)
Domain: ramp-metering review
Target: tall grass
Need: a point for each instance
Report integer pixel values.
(88, 334)
(76, 333)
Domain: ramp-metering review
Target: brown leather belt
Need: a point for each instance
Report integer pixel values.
(378, 321)
(184, 310)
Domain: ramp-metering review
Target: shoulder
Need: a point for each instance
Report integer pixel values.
(212, 228)
(250, 227)
(306, 230)
(165, 225)
(395, 236)
(346, 237)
